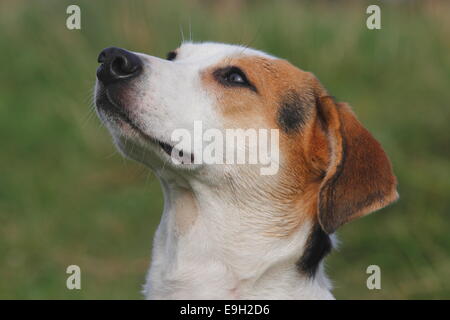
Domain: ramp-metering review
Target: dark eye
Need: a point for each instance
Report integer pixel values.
(171, 55)
(233, 76)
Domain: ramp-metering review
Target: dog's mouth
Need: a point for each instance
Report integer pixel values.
(118, 114)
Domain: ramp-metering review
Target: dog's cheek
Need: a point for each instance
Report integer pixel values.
(292, 113)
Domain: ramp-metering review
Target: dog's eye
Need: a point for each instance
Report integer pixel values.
(171, 55)
(233, 76)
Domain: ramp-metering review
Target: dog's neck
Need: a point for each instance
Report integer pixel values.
(209, 247)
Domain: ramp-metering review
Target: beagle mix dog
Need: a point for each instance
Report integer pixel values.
(227, 231)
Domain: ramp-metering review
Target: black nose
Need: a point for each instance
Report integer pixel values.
(117, 64)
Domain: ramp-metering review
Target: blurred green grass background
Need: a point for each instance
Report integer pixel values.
(67, 197)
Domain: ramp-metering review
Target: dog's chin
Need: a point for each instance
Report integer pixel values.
(133, 142)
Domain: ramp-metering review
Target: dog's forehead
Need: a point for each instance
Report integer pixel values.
(210, 52)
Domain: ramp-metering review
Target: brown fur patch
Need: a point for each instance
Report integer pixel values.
(359, 178)
(279, 83)
(312, 146)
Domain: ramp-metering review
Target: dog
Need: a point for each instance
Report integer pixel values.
(228, 231)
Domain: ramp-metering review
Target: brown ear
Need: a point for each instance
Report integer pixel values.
(359, 178)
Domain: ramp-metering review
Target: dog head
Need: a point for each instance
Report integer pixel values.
(328, 164)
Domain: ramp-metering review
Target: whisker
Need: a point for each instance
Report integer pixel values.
(181, 32)
(190, 30)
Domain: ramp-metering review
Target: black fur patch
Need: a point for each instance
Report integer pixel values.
(171, 55)
(318, 246)
(292, 113)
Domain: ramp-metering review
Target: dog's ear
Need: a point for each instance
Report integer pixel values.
(359, 177)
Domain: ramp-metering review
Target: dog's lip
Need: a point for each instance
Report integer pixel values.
(105, 103)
